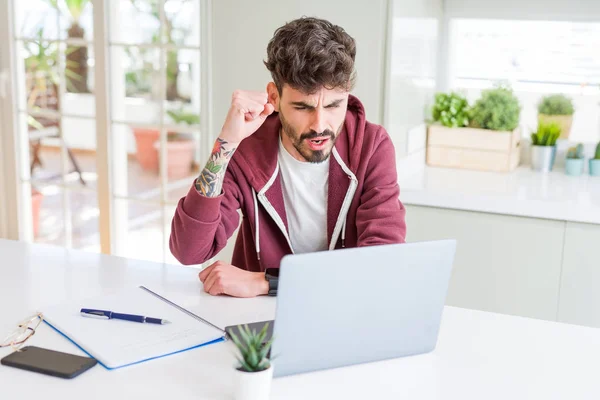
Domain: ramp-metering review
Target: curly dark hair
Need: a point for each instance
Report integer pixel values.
(311, 53)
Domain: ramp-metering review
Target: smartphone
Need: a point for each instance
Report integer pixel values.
(49, 362)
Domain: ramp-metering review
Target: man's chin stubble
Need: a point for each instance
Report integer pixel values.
(315, 157)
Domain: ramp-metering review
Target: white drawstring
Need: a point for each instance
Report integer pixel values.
(256, 225)
(344, 233)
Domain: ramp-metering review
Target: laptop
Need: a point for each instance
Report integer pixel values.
(358, 305)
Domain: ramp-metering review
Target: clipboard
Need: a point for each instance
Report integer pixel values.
(117, 344)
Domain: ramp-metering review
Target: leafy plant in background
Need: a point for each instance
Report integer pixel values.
(451, 110)
(77, 56)
(556, 104)
(498, 109)
(253, 349)
(182, 116)
(41, 63)
(547, 134)
(575, 152)
(42, 77)
(597, 153)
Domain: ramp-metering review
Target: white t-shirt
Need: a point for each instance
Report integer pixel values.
(305, 187)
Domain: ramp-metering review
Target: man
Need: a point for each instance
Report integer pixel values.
(307, 170)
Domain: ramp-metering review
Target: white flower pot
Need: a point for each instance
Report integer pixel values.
(253, 385)
(542, 158)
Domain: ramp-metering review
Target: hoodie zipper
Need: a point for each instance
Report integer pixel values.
(271, 210)
(340, 223)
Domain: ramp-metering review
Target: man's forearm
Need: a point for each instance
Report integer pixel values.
(210, 181)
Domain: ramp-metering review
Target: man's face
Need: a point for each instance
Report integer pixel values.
(311, 123)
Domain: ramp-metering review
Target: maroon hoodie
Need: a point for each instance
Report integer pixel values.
(363, 206)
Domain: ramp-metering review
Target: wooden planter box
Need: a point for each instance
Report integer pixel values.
(471, 148)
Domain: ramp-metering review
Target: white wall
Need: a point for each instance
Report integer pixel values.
(242, 30)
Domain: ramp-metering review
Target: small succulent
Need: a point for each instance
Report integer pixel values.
(575, 152)
(556, 104)
(253, 349)
(451, 110)
(597, 154)
(547, 134)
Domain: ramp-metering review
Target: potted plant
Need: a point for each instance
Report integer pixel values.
(595, 162)
(138, 83)
(451, 110)
(557, 108)
(484, 137)
(254, 372)
(574, 162)
(145, 153)
(498, 109)
(180, 146)
(36, 205)
(543, 149)
(77, 56)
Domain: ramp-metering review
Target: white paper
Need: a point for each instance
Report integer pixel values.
(117, 343)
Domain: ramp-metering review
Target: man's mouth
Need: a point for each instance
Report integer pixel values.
(317, 143)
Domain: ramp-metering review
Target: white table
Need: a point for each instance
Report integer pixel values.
(479, 355)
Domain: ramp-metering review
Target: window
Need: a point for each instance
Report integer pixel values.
(536, 58)
(152, 84)
(413, 58)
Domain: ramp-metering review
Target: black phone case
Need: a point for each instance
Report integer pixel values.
(76, 364)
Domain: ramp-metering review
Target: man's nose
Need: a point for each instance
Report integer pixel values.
(318, 122)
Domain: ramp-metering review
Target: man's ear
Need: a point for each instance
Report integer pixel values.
(273, 94)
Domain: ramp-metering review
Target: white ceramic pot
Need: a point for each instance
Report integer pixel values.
(253, 385)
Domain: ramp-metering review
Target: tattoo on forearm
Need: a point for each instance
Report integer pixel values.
(210, 181)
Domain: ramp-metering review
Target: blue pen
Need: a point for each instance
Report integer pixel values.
(103, 314)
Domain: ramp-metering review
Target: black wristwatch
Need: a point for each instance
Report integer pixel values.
(272, 276)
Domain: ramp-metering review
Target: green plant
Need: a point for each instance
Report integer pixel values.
(547, 134)
(253, 349)
(41, 66)
(451, 110)
(77, 56)
(179, 116)
(556, 104)
(42, 77)
(498, 109)
(597, 154)
(575, 152)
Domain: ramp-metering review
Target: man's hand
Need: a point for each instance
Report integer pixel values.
(222, 278)
(246, 114)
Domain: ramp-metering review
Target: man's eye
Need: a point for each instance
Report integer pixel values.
(300, 108)
(333, 106)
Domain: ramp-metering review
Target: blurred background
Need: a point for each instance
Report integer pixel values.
(109, 109)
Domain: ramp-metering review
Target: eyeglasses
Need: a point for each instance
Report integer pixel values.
(25, 330)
